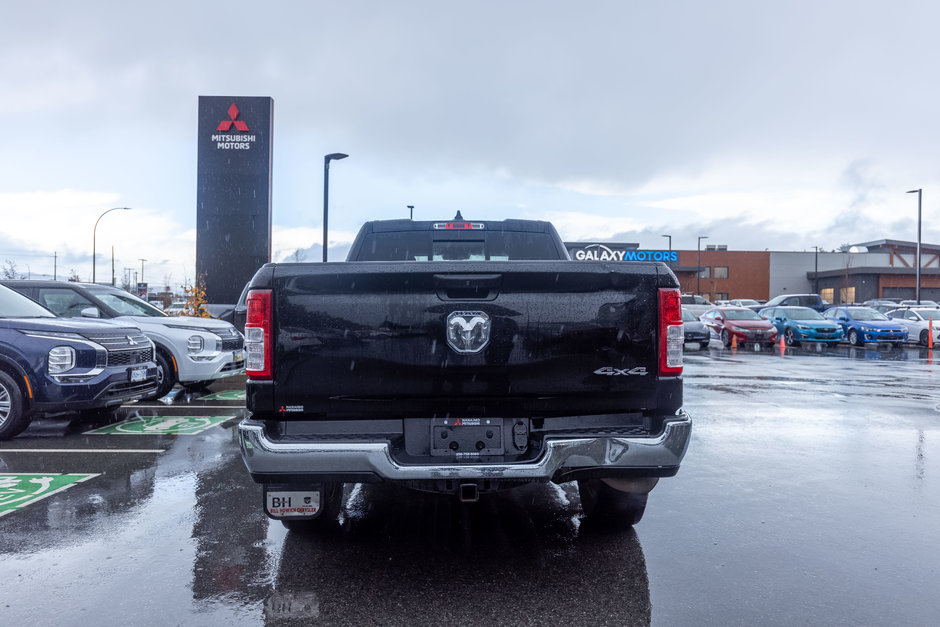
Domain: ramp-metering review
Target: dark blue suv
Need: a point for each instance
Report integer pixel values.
(51, 365)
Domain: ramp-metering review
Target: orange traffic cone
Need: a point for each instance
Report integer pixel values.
(930, 332)
(783, 344)
(734, 341)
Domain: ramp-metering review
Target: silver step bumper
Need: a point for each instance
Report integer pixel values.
(265, 456)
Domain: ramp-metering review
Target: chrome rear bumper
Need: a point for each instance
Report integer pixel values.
(264, 456)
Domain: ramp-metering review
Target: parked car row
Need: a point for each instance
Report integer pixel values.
(89, 348)
(797, 324)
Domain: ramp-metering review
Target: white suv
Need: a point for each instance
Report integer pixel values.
(191, 351)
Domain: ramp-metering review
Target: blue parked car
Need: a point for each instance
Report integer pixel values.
(51, 365)
(802, 324)
(864, 324)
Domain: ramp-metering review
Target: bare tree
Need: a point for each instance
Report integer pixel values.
(297, 256)
(73, 276)
(8, 271)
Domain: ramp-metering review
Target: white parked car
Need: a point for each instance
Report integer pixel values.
(924, 303)
(190, 351)
(917, 320)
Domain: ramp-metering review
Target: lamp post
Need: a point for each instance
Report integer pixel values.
(326, 192)
(816, 272)
(94, 237)
(698, 264)
(917, 256)
(670, 241)
(411, 212)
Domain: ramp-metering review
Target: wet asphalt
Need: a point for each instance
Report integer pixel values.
(810, 495)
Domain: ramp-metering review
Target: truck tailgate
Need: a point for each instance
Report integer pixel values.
(408, 339)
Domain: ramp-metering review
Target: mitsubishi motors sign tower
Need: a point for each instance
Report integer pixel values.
(233, 197)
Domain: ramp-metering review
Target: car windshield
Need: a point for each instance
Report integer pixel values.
(741, 314)
(866, 313)
(15, 305)
(688, 316)
(804, 314)
(126, 304)
(747, 302)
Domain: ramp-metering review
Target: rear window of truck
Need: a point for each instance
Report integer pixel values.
(490, 246)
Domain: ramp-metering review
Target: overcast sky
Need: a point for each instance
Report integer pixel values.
(761, 125)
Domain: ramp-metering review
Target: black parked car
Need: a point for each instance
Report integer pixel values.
(51, 365)
(693, 329)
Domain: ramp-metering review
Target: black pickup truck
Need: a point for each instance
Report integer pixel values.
(462, 357)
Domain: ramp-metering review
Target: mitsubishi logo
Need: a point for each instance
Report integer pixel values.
(468, 331)
(130, 341)
(225, 125)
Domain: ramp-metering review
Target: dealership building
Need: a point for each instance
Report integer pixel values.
(879, 269)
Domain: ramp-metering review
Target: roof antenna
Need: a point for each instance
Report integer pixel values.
(458, 217)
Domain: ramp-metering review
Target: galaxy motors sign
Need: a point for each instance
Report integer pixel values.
(233, 194)
(580, 251)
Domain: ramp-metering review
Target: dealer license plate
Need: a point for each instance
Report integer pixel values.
(292, 503)
(137, 374)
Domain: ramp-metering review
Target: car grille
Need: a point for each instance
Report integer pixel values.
(129, 358)
(232, 344)
(124, 349)
(232, 340)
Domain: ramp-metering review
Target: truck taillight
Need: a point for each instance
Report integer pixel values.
(671, 333)
(258, 339)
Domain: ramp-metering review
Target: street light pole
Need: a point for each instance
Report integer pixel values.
(698, 264)
(670, 241)
(94, 237)
(411, 212)
(142, 269)
(816, 272)
(917, 256)
(326, 192)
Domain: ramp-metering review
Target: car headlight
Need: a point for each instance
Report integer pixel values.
(61, 359)
(195, 344)
(803, 326)
(869, 329)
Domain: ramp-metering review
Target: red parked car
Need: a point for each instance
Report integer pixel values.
(741, 323)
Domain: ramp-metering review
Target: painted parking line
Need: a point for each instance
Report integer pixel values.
(226, 395)
(82, 450)
(161, 425)
(166, 408)
(17, 490)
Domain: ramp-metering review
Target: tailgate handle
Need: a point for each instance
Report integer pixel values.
(467, 286)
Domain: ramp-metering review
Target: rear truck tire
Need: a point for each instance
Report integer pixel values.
(854, 340)
(331, 504)
(924, 338)
(610, 506)
(13, 418)
(790, 338)
(166, 376)
(725, 338)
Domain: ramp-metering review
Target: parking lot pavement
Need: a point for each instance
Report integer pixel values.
(810, 494)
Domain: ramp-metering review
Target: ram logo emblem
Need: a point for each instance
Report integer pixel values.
(468, 331)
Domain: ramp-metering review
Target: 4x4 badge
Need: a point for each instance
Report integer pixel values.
(468, 331)
(621, 372)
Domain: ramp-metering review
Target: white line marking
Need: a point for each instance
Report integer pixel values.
(182, 407)
(82, 450)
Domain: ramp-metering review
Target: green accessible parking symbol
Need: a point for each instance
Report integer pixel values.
(17, 490)
(161, 425)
